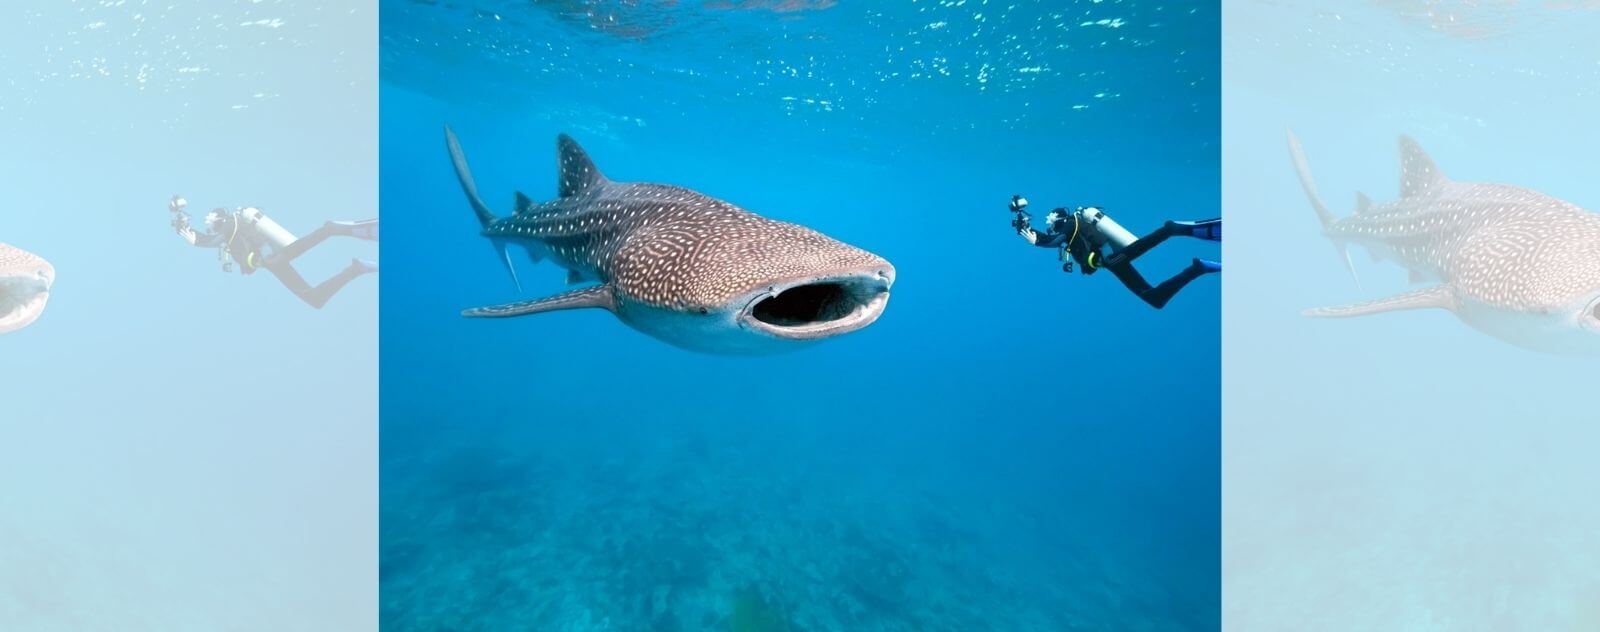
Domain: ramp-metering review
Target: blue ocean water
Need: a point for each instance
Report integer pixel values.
(1007, 448)
(1404, 470)
(183, 448)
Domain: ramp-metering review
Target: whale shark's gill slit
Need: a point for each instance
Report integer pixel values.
(812, 304)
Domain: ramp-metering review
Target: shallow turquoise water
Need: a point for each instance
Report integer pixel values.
(1008, 448)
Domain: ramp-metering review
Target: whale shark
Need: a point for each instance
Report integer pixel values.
(683, 267)
(25, 280)
(1511, 262)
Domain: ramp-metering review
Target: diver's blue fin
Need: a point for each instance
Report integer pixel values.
(1207, 229)
(364, 229)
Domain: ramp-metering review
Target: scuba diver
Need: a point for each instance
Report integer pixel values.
(1083, 236)
(248, 237)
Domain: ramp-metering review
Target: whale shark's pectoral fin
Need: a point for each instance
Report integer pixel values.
(597, 296)
(1436, 297)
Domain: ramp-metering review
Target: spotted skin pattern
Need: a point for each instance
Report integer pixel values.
(25, 280)
(1501, 253)
(672, 247)
(660, 248)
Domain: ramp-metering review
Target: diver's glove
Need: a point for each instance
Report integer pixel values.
(1029, 236)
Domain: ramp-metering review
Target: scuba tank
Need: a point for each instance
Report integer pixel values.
(271, 233)
(1099, 229)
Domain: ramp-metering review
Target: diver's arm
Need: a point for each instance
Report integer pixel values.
(180, 223)
(1047, 240)
(201, 240)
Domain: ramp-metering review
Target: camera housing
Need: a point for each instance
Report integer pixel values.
(1019, 204)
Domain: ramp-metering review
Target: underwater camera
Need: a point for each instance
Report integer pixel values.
(180, 218)
(1020, 218)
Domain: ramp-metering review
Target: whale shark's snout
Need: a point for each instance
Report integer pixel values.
(819, 306)
(25, 281)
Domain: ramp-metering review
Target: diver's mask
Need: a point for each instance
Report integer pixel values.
(219, 221)
(1056, 220)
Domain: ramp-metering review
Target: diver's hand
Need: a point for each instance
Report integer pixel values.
(1029, 235)
(187, 233)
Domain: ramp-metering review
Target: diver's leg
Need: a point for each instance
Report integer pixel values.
(1133, 280)
(1210, 230)
(1160, 294)
(367, 230)
(319, 295)
(1144, 244)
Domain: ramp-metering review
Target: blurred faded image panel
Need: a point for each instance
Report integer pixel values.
(188, 315)
(1412, 317)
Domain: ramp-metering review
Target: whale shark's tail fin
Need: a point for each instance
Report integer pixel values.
(1303, 169)
(485, 216)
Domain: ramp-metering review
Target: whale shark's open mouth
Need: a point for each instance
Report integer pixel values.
(819, 307)
(22, 299)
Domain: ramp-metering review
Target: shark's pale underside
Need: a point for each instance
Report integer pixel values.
(1511, 262)
(689, 269)
(25, 280)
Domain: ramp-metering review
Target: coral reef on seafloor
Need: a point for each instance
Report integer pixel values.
(694, 534)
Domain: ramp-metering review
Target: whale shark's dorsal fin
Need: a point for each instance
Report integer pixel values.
(1418, 175)
(523, 203)
(1363, 203)
(578, 172)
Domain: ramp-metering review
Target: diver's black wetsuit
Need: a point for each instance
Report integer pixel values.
(1090, 256)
